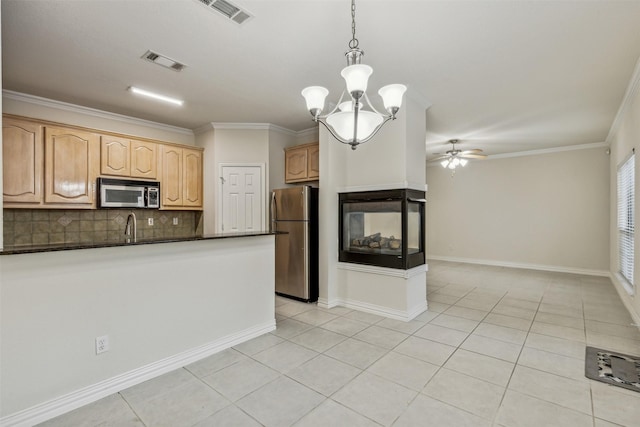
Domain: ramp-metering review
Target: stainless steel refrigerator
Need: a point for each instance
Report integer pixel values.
(294, 214)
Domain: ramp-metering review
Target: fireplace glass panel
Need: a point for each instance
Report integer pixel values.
(382, 228)
(374, 227)
(414, 228)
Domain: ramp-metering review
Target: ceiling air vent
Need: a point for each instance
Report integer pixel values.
(227, 9)
(156, 58)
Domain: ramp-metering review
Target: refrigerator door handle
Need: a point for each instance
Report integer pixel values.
(273, 212)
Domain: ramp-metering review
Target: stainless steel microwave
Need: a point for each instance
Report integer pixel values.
(123, 193)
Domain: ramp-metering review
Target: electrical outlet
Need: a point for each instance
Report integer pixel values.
(175, 220)
(102, 344)
(150, 220)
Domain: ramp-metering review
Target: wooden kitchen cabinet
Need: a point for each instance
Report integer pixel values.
(48, 165)
(301, 163)
(72, 163)
(313, 157)
(181, 183)
(144, 159)
(192, 177)
(115, 155)
(128, 157)
(23, 156)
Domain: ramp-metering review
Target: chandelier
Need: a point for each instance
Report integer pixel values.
(354, 125)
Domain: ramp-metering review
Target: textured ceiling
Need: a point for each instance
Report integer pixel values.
(505, 76)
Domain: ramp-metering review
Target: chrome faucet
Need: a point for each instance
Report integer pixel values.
(127, 230)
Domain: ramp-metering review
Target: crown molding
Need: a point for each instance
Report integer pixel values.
(240, 126)
(549, 150)
(280, 129)
(307, 132)
(59, 105)
(257, 126)
(629, 96)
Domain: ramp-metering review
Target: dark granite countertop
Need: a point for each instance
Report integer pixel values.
(27, 249)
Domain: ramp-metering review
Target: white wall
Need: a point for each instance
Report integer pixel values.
(278, 141)
(624, 137)
(546, 211)
(154, 302)
(205, 138)
(385, 162)
(235, 144)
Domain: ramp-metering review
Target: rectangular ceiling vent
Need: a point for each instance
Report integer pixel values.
(229, 10)
(162, 60)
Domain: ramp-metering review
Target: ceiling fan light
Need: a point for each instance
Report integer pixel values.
(455, 161)
(392, 95)
(314, 96)
(452, 165)
(444, 163)
(357, 77)
(463, 162)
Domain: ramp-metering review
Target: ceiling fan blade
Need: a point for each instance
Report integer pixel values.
(473, 156)
(472, 150)
(437, 159)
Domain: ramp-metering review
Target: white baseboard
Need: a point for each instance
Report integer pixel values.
(625, 297)
(391, 313)
(394, 272)
(559, 269)
(63, 404)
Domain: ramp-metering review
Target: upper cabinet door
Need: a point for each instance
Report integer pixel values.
(192, 195)
(171, 184)
(296, 164)
(22, 154)
(72, 163)
(144, 159)
(115, 154)
(302, 163)
(313, 169)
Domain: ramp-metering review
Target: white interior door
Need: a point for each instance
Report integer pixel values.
(242, 199)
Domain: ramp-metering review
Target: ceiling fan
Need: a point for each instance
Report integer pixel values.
(454, 157)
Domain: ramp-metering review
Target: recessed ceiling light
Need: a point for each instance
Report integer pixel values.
(154, 95)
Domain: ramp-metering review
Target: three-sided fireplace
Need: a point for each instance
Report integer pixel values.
(382, 228)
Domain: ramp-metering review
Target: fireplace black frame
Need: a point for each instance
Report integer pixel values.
(404, 261)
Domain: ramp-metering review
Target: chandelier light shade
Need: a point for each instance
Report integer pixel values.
(352, 124)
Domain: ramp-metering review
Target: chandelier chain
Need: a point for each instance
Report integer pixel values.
(353, 44)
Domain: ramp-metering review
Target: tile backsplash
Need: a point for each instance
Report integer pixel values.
(24, 227)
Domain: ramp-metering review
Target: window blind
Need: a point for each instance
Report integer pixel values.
(626, 218)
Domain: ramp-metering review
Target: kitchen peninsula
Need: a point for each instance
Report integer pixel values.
(163, 303)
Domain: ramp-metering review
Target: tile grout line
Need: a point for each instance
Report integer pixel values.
(515, 364)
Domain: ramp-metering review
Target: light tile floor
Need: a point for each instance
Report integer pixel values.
(498, 347)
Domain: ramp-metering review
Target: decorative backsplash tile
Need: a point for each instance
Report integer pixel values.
(24, 227)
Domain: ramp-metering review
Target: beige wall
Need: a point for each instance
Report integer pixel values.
(625, 136)
(547, 211)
